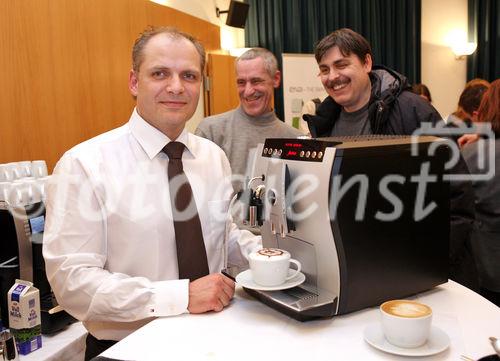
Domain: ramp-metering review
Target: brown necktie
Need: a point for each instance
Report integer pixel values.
(191, 253)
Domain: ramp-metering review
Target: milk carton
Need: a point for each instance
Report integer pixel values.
(24, 316)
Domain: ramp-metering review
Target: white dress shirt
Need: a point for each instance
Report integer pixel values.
(109, 242)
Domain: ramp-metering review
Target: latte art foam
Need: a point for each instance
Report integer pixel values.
(270, 252)
(406, 309)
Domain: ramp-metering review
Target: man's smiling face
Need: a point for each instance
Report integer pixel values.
(255, 86)
(346, 78)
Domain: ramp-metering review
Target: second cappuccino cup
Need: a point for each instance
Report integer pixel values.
(406, 323)
(270, 266)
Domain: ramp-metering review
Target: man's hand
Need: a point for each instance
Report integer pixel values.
(210, 293)
(467, 139)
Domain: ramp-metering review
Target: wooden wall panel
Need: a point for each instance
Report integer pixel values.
(64, 66)
(223, 94)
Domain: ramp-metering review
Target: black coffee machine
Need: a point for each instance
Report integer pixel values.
(367, 217)
(21, 239)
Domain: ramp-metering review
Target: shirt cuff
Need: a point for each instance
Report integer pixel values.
(170, 298)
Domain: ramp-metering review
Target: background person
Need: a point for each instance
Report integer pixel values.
(423, 91)
(460, 114)
(486, 231)
(240, 130)
(365, 99)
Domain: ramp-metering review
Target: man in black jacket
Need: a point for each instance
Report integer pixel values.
(365, 99)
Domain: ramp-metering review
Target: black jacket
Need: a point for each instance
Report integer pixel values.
(393, 108)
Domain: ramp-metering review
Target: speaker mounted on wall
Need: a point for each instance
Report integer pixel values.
(236, 15)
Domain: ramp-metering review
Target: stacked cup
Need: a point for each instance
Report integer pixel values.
(23, 183)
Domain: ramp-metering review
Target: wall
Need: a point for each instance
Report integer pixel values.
(441, 72)
(64, 67)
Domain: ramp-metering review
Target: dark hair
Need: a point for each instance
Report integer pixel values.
(348, 41)
(489, 109)
(143, 39)
(421, 89)
(477, 81)
(471, 97)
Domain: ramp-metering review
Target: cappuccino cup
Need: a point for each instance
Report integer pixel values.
(269, 266)
(406, 323)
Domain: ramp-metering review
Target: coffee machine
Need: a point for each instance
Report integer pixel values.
(21, 240)
(367, 217)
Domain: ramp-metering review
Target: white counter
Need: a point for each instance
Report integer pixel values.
(67, 345)
(249, 330)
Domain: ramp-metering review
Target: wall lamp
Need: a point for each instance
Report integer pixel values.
(461, 50)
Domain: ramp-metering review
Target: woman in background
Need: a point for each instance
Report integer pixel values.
(486, 231)
(423, 91)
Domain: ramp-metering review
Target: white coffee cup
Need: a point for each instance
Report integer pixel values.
(24, 168)
(406, 323)
(39, 168)
(270, 266)
(5, 191)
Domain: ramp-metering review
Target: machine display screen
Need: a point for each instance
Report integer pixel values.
(37, 224)
(309, 150)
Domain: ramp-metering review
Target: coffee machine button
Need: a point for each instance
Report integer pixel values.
(313, 154)
(308, 153)
(279, 152)
(320, 155)
(302, 154)
(265, 150)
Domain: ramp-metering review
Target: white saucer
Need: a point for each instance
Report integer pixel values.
(245, 279)
(438, 341)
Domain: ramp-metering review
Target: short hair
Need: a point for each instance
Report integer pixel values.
(422, 89)
(489, 109)
(471, 97)
(477, 81)
(173, 33)
(270, 62)
(348, 41)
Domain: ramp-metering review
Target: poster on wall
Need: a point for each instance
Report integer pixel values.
(301, 84)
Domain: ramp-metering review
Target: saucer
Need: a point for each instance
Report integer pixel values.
(245, 279)
(437, 342)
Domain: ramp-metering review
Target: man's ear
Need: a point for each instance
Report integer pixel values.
(368, 63)
(475, 116)
(277, 79)
(133, 82)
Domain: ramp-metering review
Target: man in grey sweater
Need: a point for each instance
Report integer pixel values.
(238, 131)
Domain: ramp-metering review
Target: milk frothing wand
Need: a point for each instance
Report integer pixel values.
(226, 233)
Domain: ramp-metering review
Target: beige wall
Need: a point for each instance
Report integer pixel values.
(441, 72)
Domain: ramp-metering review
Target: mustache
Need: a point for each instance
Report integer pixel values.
(337, 81)
(254, 96)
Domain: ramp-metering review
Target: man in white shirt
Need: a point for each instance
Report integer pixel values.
(109, 243)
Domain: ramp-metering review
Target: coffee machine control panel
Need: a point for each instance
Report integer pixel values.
(307, 150)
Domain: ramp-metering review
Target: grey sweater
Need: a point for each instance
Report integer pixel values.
(237, 133)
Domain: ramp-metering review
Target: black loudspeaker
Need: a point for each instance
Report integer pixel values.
(237, 14)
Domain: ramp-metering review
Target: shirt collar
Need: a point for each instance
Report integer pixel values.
(153, 140)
